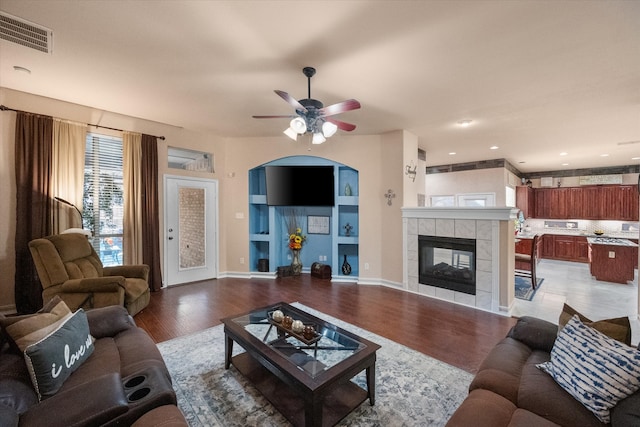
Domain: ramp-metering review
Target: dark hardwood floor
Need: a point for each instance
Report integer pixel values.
(458, 335)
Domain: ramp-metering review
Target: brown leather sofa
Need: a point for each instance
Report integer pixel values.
(509, 390)
(124, 381)
(69, 267)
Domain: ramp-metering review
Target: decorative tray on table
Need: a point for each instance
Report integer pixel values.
(297, 335)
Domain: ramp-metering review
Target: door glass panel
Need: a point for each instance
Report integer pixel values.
(192, 227)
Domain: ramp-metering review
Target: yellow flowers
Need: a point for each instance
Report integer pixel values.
(296, 239)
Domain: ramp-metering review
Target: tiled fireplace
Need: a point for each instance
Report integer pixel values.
(493, 233)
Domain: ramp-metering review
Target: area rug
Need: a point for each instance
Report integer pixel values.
(524, 290)
(412, 389)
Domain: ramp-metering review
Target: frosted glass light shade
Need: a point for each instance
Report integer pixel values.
(318, 138)
(298, 125)
(329, 129)
(291, 133)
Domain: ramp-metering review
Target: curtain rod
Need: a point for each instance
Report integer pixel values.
(5, 108)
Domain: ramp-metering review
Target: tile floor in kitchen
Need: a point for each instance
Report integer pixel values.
(571, 282)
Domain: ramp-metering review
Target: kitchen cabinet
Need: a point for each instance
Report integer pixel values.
(590, 202)
(603, 202)
(566, 248)
(524, 246)
(525, 201)
(582, 249)
(613, 263)
(547, 246)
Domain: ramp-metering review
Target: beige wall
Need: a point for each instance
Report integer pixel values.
(175, 136)
(472, 181)
(380, 160)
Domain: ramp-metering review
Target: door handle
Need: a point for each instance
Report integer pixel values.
(170, 238)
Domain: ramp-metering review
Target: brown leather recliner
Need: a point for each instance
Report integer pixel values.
(68, 266)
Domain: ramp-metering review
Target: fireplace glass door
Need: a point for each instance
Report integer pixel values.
(448, 262)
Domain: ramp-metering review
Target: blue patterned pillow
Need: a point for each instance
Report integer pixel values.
(596, 370)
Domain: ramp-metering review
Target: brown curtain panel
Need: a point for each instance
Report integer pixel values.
(33, 158)
(150, 213)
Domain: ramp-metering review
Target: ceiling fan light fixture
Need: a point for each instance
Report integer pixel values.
(329, 129)
(298, 125)
(291, 133)
(318, 138)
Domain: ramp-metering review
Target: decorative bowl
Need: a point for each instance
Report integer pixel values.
(598, 232)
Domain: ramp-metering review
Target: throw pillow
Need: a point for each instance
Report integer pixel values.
(618, 328)
(595, 369)
(15, 328)
(51, 360)
(25, 330)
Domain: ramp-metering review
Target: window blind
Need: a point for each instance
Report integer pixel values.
(103, 196)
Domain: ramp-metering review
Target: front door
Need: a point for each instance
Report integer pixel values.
(191, 229)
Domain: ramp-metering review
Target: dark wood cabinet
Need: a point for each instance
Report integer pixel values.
(613, 263)
(525, 201)
(604, 202)
(590, 203)
(629, 203)
(547, 246)
(582, 249)
(566, 248)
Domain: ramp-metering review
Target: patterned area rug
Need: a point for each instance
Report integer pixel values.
(411, 389)
(524, 290)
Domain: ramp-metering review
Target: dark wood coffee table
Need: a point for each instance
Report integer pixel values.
(308, 379)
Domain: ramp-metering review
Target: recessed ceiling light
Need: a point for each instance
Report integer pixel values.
(493, 147)
(635, 158)
(604, 155)
(453, 153)
(464, 123)
(21, 69)
(564, 153)
(565, 164)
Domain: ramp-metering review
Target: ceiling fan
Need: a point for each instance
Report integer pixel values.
(312, 116)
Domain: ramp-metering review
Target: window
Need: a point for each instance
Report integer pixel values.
(103, 203)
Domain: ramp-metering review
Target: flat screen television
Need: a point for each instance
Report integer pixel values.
(300, 185)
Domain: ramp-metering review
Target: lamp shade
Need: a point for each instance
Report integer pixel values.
(318, 138)
(291, 133)
(298, 125)
(329, 129)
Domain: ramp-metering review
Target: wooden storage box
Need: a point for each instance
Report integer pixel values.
(284, 271)
(321, 271)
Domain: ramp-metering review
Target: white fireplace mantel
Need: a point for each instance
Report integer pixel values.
(481, 213)
(492, 227)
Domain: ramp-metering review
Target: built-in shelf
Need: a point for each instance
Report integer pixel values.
(267, 231)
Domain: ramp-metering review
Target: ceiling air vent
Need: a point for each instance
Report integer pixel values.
(25, 33)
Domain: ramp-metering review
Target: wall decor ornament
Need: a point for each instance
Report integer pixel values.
(347, 190)
(346, 267)
(411, 171)
(390, 195)
(347, 229)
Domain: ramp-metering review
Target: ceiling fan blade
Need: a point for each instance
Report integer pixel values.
(274, 117)
(340, 107)
(291, 100)
(342, 125)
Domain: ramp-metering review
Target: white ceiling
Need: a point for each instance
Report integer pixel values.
(536, 77)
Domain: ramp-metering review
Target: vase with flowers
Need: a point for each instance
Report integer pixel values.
(296, 240)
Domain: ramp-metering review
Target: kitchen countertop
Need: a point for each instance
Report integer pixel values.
(570, 232)
(610, 241)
